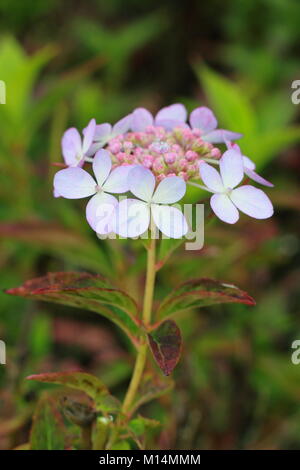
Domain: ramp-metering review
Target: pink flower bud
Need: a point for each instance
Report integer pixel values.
(215, 153)
(183, 163)
(158, 166)
(115, 147)
(176, 148)
(148, 161)
(170, 157)
(121, 156)
(191, 155)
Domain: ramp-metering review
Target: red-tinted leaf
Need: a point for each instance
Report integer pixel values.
(198, 293)
(85, 291)
(165, 344)
(84, 382)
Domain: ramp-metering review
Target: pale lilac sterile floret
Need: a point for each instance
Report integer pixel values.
(204, 120)
(168, 118)
(76, 183)
(105, 132)
(74, 147)
(249, 166)
(227, 200)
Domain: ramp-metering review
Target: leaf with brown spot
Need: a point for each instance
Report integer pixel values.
(198, 293)
(165, 344)
(84, 382)
(85, 291)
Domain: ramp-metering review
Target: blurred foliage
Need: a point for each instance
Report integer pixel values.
(65, 62)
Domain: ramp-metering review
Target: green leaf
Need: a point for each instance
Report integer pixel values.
(85, 291)
(265, 146)
(231, 106)
(118, 45)
(47, 432)
(165, 344)
(138, 426)
(198, 293)
(151, 387)
(84, 382)
(140, 429)
(19, 72)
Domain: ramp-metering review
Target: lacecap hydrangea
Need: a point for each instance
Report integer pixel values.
(152, 160)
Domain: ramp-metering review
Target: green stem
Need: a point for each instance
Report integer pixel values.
(142, 349)
(147, 310)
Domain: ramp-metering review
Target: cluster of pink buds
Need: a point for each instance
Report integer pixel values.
(165, 152)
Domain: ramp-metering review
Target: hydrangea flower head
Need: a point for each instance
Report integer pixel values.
(154, 157)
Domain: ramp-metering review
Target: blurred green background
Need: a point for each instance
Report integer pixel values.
(66, 62)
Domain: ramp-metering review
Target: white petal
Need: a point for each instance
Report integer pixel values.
(211, 177)
(74, 183)
(100, 212)
(71, 147)
(132, 218)
(169, 190)
(102, 131)
(203, 118)
(117, 182)
(175, 112)
(122, 126)
(224, 209)
(94, 148)
(170, 124)
(257, 178)
(248, 163)
(220, 136)
(89, 133)
(169, 220)
(252, 201)
(231, 168)
(141, 118)
(102, 166)
(141, 183)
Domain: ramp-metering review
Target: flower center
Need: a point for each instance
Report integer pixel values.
(166, 153)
